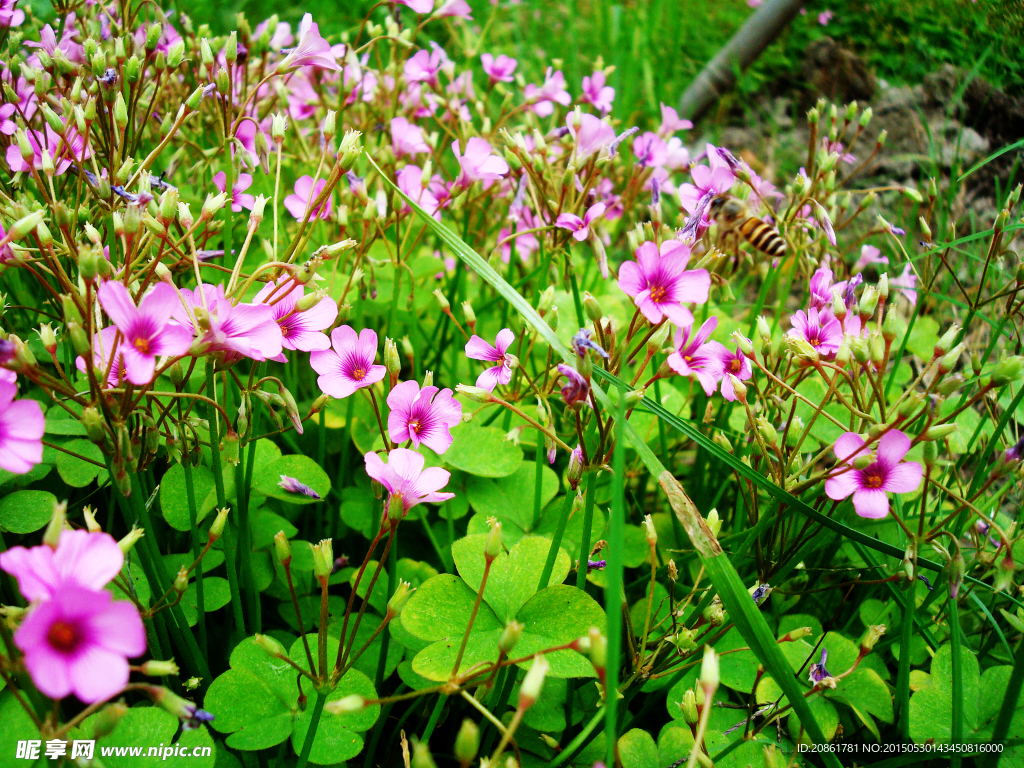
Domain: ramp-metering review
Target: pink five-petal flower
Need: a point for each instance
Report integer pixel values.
(305, 193)
(423, 66)
(735, 363)
(478, 163)
(105, 345)
(423, 415)
(824, 335)
(77, 642)
(597, 93)
(869, 254)
(500, 69)
(21, 431)
(671, 122)
(239, 197)
(888, 473)
(542, 98)
(417, 6)
(303, 330)
(660, 283)
(248, 330)
(590, 133)
(410, 180)
(312, 50)
(349, 365)
(406, 138)
(696, 356)
(478, 349)
(580, 228)
(147, 331)
(83, 559)
(821, 288)
(405, 479)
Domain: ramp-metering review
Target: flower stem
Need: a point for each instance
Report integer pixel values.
(314, 724)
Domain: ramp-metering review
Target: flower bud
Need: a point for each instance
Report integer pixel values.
(271, 646)
(175, 53)
(533, 683)
(467, 742)
(493, 547)
(945, 343)
(469, 314)
(402, 594)
(476, 394)
(154, 668)
(868, 302)
(767, 431)
(345, 705)
(709, 674)
(1008, 371)
(91, 523)
(421, 757)
(948, 361)
(650, 533)
(349, 150)
(56, 526)
(106, 720)
(392, 361)
(592, 307)
(546, 300)
(939, 431)
(181, 580)
(510, 636)
(689, 707)
(217, 527)
(283, 548)
(876, 348)
(859, 348)
(127, 543)
(871, 637)
(714, 521)
(323, 558)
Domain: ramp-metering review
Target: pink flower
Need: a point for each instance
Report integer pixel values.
(869, 254)
(708, 180)
(821, 288)
(239, 198)
(697, 356)
(9, 15)
(597, 93)
(906, 283)
(312, 50)
(580, 228)
(406, 138)
(423, 66)
(103, 348)
(410, 181)
(405, 479)
(147, 331)
(478, 349)
(590, 133)
(81, 559)
(417, 6)
(735, 363)
(576, 388)
(21, 431)
(542, 98)
(825, 17)
(299, 330)
(305, 193)
(498, 70)
(660, 283)
(677, 156)
(455, 9)
(671, 122)
(249, 330)
(650, 150)
(423, 416)
(77, 642)
(478, 163)
(824, 335)
(61, 152)
(888, 473)
(349, 366)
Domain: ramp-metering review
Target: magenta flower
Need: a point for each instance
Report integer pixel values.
(147, 331)
(77, 642)
(906, 283)
(455, 9)
(299, 330)
(410, 180)
(292, 485)
(580, 228)
(576, 388)
(542, 98)
(888, 473)
(305, 193)
(821, 288)
(660, 284)
(21, 431)
(61, 152)
(406, 138)
(824, 335)
(590, 133)
(478, 349)
(498, 70)
(349, 366)
(10, 16)
(239, 197)
(716, 178)
(406, 480)
(735, 363)
(869, 254)
(671, 122)
(597, 93)
(423, 415)
(248, 330)
(417, 6)
(650, 150)
(825, 17)
(423, 66)
(105, 345)
(81, 559)
(478, 163)
(312, 50)
(697, 356)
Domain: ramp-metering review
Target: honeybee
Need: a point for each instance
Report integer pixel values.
(731, 215)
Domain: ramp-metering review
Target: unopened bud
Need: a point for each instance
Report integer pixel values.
(533, 683)
(467, 742)
(510, 637)
(323, 558)
(283, 548)
(129, 541)
(493, 547)
(154, 668)
(217, 527)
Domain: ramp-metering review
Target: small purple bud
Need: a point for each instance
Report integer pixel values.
(924, 578)
(614, 146)
(582, 341)
(691, 228)
(596, 565)
(897, 230)
(818, 671)
(292, 485)
(577, 388)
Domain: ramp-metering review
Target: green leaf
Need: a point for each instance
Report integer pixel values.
(150, 727)
(60, 423)
(216, 594)
(923, 337)
(638, 750)
(511, 499)
(441, 608)
(174, 495)
(483, 451)
(302, 468)
(26, 511)
(12, 482)
(17, 726)
(865, 690)
(266, 525)
(74, 471)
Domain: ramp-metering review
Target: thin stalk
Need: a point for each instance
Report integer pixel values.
(903, 676)
(196, 549)
(615, 591)
(556, 540)
(956, 653)
(386, 639)
(314, 724)
(588, 524)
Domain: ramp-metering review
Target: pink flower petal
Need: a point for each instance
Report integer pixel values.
(871, 503)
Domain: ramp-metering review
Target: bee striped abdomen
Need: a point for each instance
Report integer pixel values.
(764, 237)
